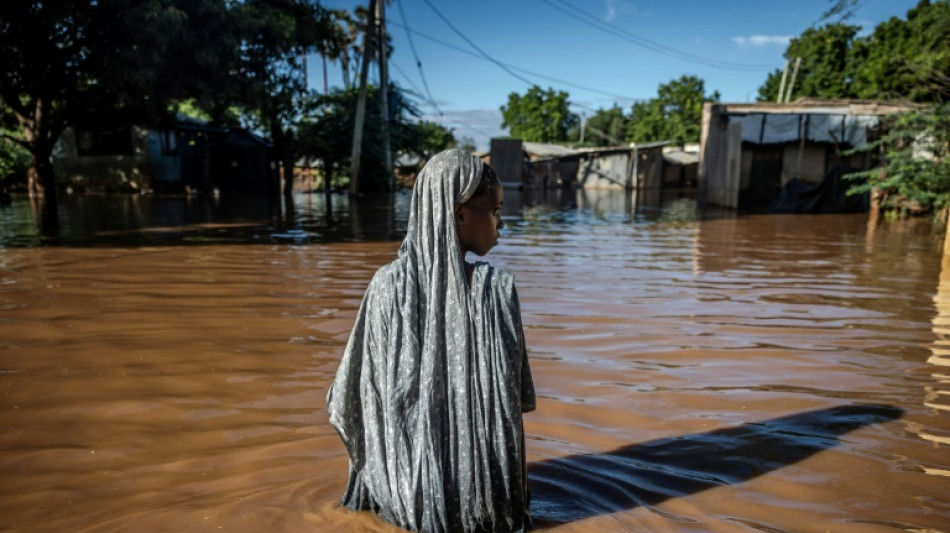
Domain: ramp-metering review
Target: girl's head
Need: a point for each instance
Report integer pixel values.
(478, 218)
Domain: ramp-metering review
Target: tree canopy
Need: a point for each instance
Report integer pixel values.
(606, 127)
(325, 132)
(675, 114)
(113, 62)
(538, 115)
(901, 59)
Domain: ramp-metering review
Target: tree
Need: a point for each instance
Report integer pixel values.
(675, 114)
(538, 116)
(825, 69)
(906, 59)
(275, 34)
(607, 127)
(902, 59)
(647, 122)
(106, 62)
(325, 132)
(432, 138)
(916, 162)
(467, 144)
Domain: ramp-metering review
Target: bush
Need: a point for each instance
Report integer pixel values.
(914, 174)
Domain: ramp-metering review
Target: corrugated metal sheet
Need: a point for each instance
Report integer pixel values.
(548, 150)
(679, 157)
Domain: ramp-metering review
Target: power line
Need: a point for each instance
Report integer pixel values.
(441, 114)
(653, 46)
(526, 71)
(473, 45)
(415, 55)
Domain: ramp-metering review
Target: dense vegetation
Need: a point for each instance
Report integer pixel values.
(902, 59)
(107, 63)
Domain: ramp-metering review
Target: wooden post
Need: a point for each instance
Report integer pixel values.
(384, 96)
(326, 87)
(781, 87)
(361, 103)
(791, 84)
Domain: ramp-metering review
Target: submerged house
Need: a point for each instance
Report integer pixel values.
(638, 166)
(539, 165)
(786, 156)
(189, 156)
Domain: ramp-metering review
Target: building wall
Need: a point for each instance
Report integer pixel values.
(103, 172)
(806, 162)
(605, 171)
(165, 167)
(714, 175)
(649, 168)
(507, 160)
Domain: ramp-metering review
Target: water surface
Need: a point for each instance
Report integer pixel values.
(164, 365)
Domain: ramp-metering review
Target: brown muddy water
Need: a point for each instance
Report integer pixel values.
(164, 365)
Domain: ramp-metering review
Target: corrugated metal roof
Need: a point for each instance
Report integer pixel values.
(680, 157)
(821, 106)
(547, 150)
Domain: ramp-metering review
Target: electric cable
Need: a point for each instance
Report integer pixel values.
(473, 45)
(653, 46)
(513, 67)
(415, 55)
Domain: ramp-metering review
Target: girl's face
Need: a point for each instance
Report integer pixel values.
(478, 222)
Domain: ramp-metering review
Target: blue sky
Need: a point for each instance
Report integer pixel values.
(731, 44)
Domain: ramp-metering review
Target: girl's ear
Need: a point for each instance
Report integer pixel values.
(459, 217)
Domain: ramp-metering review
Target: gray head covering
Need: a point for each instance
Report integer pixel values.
(430, 390)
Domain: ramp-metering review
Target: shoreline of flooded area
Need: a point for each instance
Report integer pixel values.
(695, 371)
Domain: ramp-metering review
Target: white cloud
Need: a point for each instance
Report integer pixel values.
(479, 124)
(621, 7)
(762, 40)
(611, 10)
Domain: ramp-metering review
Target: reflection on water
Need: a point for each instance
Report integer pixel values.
(164, 364)
(163, 220)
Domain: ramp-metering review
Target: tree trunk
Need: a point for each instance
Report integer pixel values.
(41, 182)
(288, 164)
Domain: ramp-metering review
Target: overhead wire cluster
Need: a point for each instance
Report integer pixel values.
(575, 13)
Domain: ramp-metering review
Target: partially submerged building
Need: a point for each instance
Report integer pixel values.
(539, 165)
(188, 156)
(786, 155)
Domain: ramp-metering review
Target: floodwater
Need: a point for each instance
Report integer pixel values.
(164, 365)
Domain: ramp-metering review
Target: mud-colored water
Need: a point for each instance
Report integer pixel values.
(695, 373)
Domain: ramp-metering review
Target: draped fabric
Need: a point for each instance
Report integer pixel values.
(429, 396)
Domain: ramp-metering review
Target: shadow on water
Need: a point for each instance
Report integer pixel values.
(568, 489)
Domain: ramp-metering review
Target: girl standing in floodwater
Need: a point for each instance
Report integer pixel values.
(434, 379)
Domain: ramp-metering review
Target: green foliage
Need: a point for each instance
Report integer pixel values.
(112, 62)
(326, 132)
(915, 169)
(607, 127)
(906, 59)
(825, 68)
(432, 138)
(902, 59)
(467, 144)
(675, 114)
(14, 163)
(538, 116)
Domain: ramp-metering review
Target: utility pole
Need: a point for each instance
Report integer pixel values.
(781, 87)
(384, 95)
(791, 84)
(361, 102)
